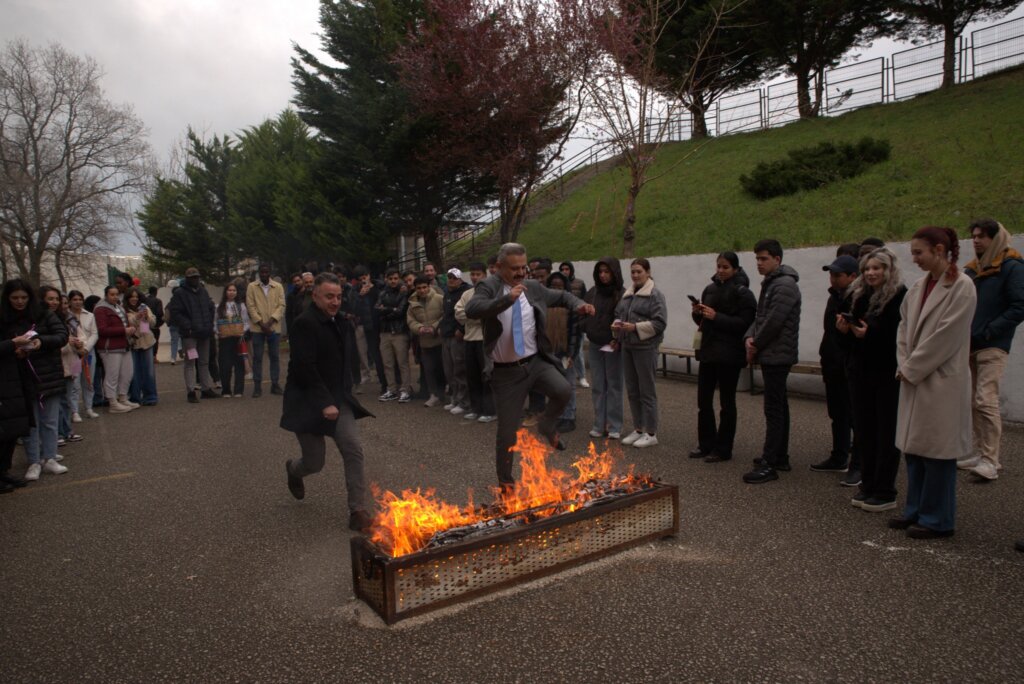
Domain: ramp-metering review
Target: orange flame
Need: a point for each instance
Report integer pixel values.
(405, 524)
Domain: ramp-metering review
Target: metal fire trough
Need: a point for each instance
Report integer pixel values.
(399, 588)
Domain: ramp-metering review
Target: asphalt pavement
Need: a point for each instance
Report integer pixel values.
(172, 551)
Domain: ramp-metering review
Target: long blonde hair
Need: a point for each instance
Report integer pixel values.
(884, 294)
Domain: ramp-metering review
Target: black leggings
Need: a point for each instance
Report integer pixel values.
(231, 362)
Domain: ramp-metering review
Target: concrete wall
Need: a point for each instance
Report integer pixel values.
(679, 276)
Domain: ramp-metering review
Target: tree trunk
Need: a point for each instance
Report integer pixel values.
(803, 93)
(60, 272)
(432, 246)
(698, 110)
(629, 231)
(819, 90)
(949, 57)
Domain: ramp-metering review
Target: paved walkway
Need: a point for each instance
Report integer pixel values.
(172, 551)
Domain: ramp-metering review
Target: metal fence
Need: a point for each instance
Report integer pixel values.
(905, 74)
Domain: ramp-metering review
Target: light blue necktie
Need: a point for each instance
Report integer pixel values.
(518, 343)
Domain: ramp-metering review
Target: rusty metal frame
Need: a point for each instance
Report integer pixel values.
(374, 572)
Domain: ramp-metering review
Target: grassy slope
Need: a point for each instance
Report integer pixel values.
(956, 155)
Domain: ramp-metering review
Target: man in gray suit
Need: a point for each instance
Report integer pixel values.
(514, 314)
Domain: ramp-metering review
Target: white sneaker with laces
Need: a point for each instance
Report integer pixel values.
(968, 463)
(91, 414)
(583, 383)
(486, 419)
(457, 410)
(51, 466)
(614, 435)
(404, 398)
(432, 402)
(449, 407)
(631, 437)
(596, 433)
(470, 416)
(32, 473)
(75, 418)
(985, 470)
(646, 441)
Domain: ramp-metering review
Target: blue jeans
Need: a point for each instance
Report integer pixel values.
(931, 492)
(175, 341)
(142, 389)
(41, 444)
(606, 388)
(273, 341)
(64, 421)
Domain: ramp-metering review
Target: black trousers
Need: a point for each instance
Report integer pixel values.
(776, 415)
(231, 364)
(878, 398)
(480, 398)
(433, 370)
(837, 400)
(724, 377)
(7, 455)
(373, 351)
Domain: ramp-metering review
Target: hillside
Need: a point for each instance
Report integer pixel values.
(955, 155)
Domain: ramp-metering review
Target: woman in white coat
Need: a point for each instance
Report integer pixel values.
(933, 427)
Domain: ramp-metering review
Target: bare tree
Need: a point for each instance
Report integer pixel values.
(630, 94)
(70, 160)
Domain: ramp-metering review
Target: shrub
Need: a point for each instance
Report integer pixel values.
(809, 168)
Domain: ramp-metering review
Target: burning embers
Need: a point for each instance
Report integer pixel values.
(418, 520)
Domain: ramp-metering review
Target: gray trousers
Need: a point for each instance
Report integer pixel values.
(202, 347)
(511, 385)
(454, 359)
(314, 449)
(639, 366)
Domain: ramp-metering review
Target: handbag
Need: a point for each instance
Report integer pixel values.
(228, 327)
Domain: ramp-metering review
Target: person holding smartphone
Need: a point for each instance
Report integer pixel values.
(723, 313)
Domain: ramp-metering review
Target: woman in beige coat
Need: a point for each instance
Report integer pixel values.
(933, 427)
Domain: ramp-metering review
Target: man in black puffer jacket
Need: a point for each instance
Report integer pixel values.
(773, 341)
(192, 311)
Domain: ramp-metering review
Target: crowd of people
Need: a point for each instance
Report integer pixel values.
(911, 373)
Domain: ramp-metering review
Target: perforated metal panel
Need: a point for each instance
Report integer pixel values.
(400, 587)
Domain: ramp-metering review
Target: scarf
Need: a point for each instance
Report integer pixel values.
(991, 260)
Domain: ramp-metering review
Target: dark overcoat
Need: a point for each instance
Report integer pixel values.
(318, 372)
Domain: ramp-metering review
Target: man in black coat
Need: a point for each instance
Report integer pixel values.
(318, 399)
(191, 310)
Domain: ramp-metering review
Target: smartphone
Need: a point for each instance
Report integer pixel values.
(693, 299)
(848, 317)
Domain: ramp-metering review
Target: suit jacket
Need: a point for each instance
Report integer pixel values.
(933, 349)
(488, 301)
(318, 372)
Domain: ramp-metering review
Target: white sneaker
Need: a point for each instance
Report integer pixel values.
(457, 410)
(91, 414)
(985, 470)
(968, 463)
(646, 441)
(124, 401)
(75, 418)
(596, 433)
(486, 419)
(51, 466)
(404, 398)
(58, 457)
(614, 435)
(584, 384)
(631, 437)
(32, 473)
(118, 407)
(432, 402)
(470, 416)
(449, 407)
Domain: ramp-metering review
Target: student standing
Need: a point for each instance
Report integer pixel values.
(876, 298)
(604, 352)
(114, 332)
(232, 326)
(639, 326)
(933, 426)
(724, 313)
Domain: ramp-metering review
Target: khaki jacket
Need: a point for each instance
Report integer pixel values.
(474, 328)
(427, 313)
(265, 307)
(933, 352)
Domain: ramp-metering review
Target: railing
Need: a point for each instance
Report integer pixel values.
(905, 74)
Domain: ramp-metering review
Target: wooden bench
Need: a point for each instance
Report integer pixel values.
(666, 352)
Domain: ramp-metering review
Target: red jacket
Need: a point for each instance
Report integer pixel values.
(113, 336)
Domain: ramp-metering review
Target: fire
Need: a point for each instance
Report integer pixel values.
(405, 524)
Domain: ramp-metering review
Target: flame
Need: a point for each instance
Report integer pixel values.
(404, 524)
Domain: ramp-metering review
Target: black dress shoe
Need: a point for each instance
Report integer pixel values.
(295, 485)
(761, 462)
(193, 397)
(209, 394)
(6, 488)
(13, 480)
(717, 458)
(360, 521)
(916, 531)
(276, 389)
(830, 465)
(760, 475)
(698, 453)
(900, 523)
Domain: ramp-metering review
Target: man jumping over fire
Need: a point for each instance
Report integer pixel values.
(514, 313)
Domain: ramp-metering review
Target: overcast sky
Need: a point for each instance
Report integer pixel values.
(217, 65)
